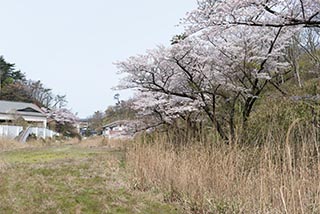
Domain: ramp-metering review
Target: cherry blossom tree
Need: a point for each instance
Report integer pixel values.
(231, 51)
(63, 116)
(254, 35)
(64, 120)
(257, 13)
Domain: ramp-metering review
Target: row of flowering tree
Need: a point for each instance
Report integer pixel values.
(230, 53)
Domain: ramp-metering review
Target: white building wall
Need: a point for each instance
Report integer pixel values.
(12, 132)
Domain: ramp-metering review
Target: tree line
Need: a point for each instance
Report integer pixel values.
(14, 86)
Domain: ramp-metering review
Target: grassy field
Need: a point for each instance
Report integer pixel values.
(71, 179)
(152, 175)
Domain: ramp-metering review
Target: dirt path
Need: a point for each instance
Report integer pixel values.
(69, 179)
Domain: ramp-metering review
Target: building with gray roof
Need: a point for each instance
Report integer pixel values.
(10, 111)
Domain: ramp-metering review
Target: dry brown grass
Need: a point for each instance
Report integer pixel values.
(92, 142)
(278, 177)
(10, 144)
(101, 142)
(7, 144)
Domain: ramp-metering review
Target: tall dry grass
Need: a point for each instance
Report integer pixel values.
(276, 177)
(8, 144)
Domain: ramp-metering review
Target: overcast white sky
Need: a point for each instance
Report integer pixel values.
(70, 45)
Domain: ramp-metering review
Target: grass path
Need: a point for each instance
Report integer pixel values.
(69, 179)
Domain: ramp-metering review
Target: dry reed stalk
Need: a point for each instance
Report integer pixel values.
(273, 178)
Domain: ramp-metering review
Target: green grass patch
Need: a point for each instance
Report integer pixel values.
(70, 179)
